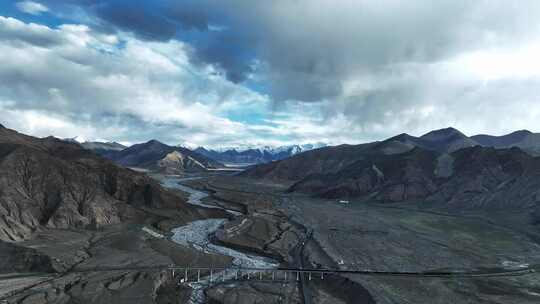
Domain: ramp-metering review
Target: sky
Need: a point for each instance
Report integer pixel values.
(244, 72)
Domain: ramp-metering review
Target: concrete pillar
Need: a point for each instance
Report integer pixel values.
(211, 274)
(198, 275)
(186, 275)
(298, 275)
(260, 275)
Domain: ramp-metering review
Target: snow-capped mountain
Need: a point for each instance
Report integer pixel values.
(255, 154)
(187, 145)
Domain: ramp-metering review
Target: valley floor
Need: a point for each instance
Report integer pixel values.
(407, 237)
(292, 231)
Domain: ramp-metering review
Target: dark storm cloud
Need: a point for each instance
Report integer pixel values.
(226, 48)
(189, 14)
(141, 19)
(307, 51)
(229, 51)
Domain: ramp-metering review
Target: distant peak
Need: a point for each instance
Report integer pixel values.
(515, 135)
(521, 132)
(401, 136)
(50, 137)
(443, 133)
(187, 145)
(154, 143)
(76, 139)
(446, 130)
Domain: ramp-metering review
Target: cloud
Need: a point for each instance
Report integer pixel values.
(88, 79)
(347, 71)
(31, 7)
(12, 30)
(308, 50)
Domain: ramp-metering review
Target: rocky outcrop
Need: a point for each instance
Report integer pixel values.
(176, 162)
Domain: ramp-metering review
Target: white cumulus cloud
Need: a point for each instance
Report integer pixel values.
(31, 7)
(72, 81)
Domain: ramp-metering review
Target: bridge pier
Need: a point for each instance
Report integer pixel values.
(289, 273)
(219, 274)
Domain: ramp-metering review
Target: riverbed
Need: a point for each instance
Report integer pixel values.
(197, 235)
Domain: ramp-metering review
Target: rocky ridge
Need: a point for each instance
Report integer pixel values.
(49, 183)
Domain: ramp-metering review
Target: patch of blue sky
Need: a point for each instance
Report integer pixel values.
(9, 9)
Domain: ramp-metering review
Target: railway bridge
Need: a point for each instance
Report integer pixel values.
(213, 275)
(216, 274)
(189, 274)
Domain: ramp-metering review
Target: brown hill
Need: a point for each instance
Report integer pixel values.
(472, 177)
(157, 156)
(51, 183)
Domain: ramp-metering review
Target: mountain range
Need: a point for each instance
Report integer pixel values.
(255, 155)
(240, 155)
(441, 167)
(154, 155)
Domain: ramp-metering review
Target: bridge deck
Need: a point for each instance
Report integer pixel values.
(289, 271)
